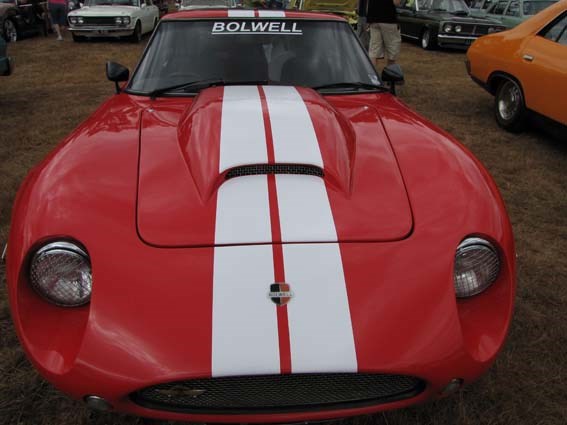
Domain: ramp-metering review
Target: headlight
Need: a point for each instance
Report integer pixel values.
(118, 20)
(80, 20)
(73, 19)
(61, 273)
(126, 20)
(447, 28)
(458, 28)
(477, 266)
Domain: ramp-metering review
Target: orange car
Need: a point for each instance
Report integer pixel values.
(525, 68)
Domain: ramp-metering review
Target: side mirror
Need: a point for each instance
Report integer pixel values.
(393, 74)
(117, 73)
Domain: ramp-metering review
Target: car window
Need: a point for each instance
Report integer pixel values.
(557, 30)
(533, 7)
(112, 2)
(452, 6)
(563, 38)
(513, 9)
(498, 8)
(408, 4)
(300, 53)
(487, 4)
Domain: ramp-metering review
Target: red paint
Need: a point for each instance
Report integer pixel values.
(279, 273)
(149, 320)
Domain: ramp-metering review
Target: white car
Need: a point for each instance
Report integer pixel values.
(113, 18)
(204, 4)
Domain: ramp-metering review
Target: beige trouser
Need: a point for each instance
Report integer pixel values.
(384, 38)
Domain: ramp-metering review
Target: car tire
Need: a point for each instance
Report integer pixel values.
(137, 34)
(10, 31)
(428, 39)
(509, 106)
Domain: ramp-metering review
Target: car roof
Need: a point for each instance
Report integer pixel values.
(249, 14)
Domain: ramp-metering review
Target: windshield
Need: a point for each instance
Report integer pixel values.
(533, 7)
(206, 3)
(301, 53)
(451, 6)
(112, 2)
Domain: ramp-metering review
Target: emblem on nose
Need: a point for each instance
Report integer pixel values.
(280, 293)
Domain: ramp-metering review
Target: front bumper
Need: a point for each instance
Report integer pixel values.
(102, 31)
(455, 41)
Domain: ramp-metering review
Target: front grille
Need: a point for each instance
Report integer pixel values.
(481, 30)
(99, 20)
(278, 393)
(249, 170)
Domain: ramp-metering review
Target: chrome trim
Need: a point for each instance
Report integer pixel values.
(467, 242)
(4, 252)
(455, 37)
(61, 245)
(528, 58)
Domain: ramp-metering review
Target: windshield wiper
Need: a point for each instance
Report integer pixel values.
(191, 84)
(203, 84)
(351, 85)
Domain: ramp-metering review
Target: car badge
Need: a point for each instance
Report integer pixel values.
(180, 391)
(280, 293)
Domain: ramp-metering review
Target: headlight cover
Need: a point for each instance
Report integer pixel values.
(477, 266)
(61, 273)
(73, 19)
(447, 28)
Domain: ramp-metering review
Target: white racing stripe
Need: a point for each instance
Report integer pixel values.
(321, 335)
(243, 137)
(292, 130)
(245, 326)
(240, 13)
(243, 211)
(271, 14)
(320, 327)
(305, 211)
(245, 329)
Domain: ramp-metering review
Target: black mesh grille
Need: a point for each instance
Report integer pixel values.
(278, 393)
(249, 170)
(99, 20)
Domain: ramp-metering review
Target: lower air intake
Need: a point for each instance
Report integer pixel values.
(278, 393)
(249, 170)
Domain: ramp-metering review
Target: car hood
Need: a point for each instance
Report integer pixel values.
(202, 170)
(449, 17)
(104, 11)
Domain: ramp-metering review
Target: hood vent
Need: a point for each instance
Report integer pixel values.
(249, 170)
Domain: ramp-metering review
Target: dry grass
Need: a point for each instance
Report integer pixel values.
(57, 85)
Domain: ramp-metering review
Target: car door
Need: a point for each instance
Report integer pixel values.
(27, 18)
(543, 70)
(407, 18)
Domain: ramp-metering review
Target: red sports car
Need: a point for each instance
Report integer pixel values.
(254, 229)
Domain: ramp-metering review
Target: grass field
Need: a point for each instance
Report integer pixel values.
(57, 85)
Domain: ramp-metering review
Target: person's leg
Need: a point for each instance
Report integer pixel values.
(55, 15)
(376, 47)
(392, 41)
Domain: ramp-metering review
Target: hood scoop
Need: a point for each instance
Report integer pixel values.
(267, 164)
(251, 170)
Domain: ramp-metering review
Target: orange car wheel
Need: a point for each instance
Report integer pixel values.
(509, 107)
